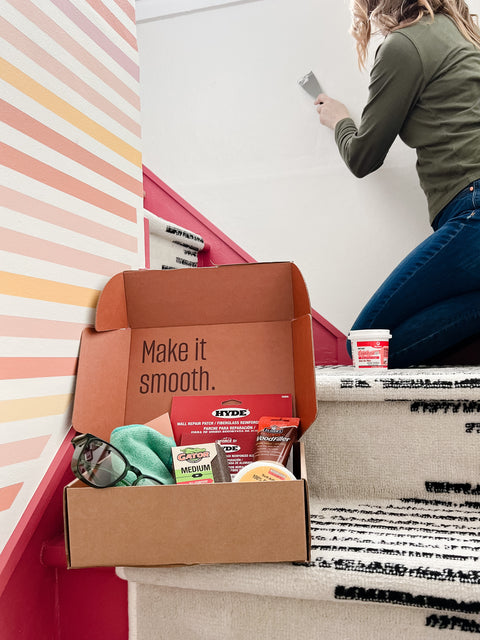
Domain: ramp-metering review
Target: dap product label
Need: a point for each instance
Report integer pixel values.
(373, 353)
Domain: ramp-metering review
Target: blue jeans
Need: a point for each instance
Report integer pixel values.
(431, 301)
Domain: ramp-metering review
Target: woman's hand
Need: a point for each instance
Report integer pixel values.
(331, 111)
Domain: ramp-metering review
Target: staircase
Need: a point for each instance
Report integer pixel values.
(394, 477)
(394, 474)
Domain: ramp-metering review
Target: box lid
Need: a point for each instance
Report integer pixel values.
(257, 292)
(234, 329)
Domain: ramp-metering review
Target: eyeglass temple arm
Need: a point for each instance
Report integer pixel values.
(78, 439)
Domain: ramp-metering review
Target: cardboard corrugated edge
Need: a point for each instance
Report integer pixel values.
(303, 475)
(300, 471)
(308, 528)
(66, 535)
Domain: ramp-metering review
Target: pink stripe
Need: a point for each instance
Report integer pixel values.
(62, 73)
(35, 129)
(8, 495)
(51, 28)
(42, 172)
(127, 7)
(19, 326)
(33, 247)
(22, 450)
(93, 32)
(29, 206)
(20, 368)
(114, 22)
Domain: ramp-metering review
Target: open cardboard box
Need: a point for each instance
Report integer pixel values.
(236, 329)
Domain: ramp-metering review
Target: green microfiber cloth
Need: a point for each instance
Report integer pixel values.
(146, 449)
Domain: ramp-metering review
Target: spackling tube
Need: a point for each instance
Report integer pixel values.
(275, 437)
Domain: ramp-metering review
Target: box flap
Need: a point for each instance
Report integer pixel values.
(112, 305)
(301, 299)
(304, 368)
(257, 292)
(102, 376)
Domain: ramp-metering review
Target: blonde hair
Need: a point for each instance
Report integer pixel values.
(385, 16)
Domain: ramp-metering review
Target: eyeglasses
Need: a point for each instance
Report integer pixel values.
(99, 464)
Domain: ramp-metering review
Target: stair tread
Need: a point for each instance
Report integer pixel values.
(348, 384)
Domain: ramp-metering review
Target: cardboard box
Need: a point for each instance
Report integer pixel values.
(236, 329)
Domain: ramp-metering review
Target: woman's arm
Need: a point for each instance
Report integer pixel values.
(396, 82)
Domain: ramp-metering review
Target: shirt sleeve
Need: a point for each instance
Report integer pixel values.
(396, 81)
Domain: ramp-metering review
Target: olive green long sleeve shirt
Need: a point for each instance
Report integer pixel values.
(424, 87)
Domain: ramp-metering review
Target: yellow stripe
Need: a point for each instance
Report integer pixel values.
(48, 99)
(13, 284)
(28, 408)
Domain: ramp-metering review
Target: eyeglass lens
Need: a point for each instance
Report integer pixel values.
(99, 464)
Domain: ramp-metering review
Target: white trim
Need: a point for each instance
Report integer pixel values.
(151, 9)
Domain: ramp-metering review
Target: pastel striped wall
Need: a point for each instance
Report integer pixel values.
(70, 196)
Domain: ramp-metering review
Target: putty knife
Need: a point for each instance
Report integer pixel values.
(311, 85)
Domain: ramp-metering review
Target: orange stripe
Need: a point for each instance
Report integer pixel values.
(28, 408)
(22, 450)
(19, 326)
(40, 249)
(14, 284)
(21, 368)
(29, 166)
(38, 131)
(34, 208)
(114, 22)
(62, 108)
(8, 495)
(39, 407)
(64, 75)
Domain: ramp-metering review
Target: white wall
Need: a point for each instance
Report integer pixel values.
(226, 125)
